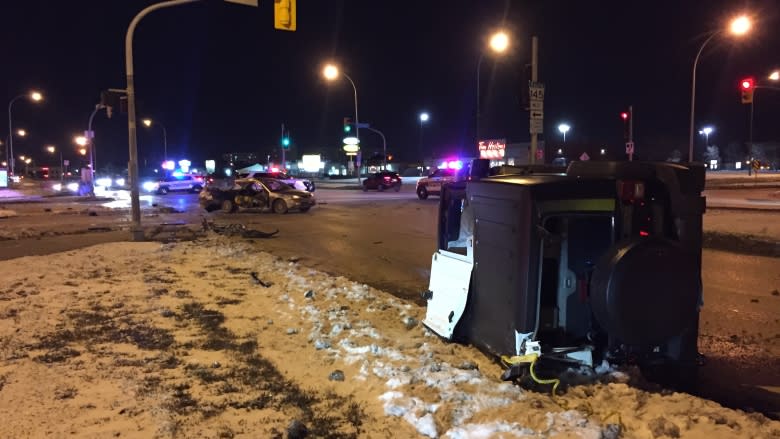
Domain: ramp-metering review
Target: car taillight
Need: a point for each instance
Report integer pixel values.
(387, 177)
(630, 190)
(199, 178)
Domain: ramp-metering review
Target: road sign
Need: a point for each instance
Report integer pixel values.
(629, 147)
(537, 105)
(537, 126)
(364, 125)
(536, 91)
(65, 162)
(584, 157)
(540, 155)
(89, 134)
(537, 114)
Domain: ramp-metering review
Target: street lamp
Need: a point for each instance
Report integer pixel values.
(706, 132)
(738, 26)
(424, 116)
(21, 132)
(148, 123)
(498, 44)
(34, 96)
(331, 73)
(775, 76)
(81, 140)
(564, 128)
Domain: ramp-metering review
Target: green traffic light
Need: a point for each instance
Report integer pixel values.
(347, 128)
(286, 141)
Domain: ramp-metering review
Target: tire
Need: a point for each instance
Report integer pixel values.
(280, 207)
(422, 193)
(311, 187)
(397, 187)
(365, 187)
(197, 188)
(381, 188)
(162, 191)
(304, 209)
(228, 206)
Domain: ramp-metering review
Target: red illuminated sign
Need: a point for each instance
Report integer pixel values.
(492, 149)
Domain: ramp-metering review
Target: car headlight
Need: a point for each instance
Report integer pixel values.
(150, 186)
(73, 187)
(57, 187)
(119, 181)
(296, 197)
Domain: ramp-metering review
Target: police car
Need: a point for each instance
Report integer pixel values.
(431, 185)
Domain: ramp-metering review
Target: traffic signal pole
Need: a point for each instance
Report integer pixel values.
(281, 141)
(631, 131)
(135, 202)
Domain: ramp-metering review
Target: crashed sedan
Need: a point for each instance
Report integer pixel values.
(262, 194)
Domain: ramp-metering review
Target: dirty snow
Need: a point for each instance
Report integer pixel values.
(307, 324)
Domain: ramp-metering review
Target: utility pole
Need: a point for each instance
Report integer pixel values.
(534, 79)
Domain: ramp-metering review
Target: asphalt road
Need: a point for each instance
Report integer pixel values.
(386, 240)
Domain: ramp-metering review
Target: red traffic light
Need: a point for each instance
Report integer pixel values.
(747, 84)
(624, 115)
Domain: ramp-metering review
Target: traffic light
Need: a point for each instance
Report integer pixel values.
(747, 86)
(347, 124)
(626, 116)
(286, 141)
(285, 15)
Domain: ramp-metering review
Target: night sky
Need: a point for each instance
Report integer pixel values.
(222, 79)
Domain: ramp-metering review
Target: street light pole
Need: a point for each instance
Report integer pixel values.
(384, 146)
(357, 125)
(693, 94)
(91, 140)
(135, 202)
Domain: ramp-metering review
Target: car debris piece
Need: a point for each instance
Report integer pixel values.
(260, 281)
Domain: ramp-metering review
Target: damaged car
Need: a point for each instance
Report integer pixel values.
(251, 193)
(568, 267)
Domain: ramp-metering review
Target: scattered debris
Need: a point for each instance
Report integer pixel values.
(377, 242)
(410, 322)
(48, 209)
(309, 294)
(167, 313)
(297, 430)
(259, 281)
(336, 375)
(215, 365)
(776, 293)
(753, 300)
(236, 230)
(92, 213)
(294, 259)
(291, 331)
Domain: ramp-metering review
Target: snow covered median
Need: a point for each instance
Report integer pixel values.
(209, 339)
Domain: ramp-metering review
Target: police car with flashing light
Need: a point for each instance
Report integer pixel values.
(431, 185)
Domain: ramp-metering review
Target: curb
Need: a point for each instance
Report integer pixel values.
(739, 243)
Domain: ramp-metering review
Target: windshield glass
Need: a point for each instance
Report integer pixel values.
(274, 185)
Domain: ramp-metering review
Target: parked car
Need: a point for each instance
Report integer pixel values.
(431, 185)
(382, 180)
(262, 193)
(301, 184)
(598, 261)
(186, 182)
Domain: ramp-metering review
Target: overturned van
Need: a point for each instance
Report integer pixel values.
(596, 261)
